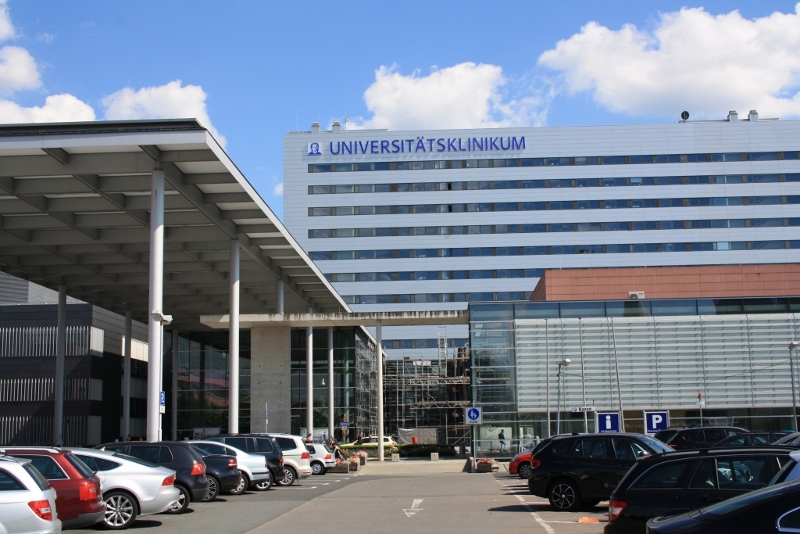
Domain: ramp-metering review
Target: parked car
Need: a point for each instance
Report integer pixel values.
(701, 437)
(792, 439)
(222, 471)
(790, 470)
(27, 500)
(750, 439)
(79, 495)
(190, 469)
(131, 487)
(252, 467)
(771, 509)
(321, 458)
(262, 444)
(582, 470)
(677, 482)
(372, 441)
(296, 458)
(521, 464)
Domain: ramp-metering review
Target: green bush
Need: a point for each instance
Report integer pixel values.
(425, 449)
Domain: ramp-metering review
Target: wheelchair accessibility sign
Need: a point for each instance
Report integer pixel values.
(473, 415)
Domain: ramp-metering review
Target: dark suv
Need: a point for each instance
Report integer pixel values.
(700, 437)
(262, 444)
(677, 482)
(190, 469)
(582, 470)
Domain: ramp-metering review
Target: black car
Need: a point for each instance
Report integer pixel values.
(262, 444)
(677, 482)
(582, 470)
(701, 437)
(771, 509)
(792, 439)
(222, 472)
(750, 439)
(190, 469)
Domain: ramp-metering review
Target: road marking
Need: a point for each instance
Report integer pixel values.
(326, 483)
(542, 522)
(414, 508)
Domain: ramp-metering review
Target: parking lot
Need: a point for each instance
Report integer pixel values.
(414, 496)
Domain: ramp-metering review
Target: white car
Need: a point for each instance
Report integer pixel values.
(321, 458)
(27, 501)
(252, 466)
(131, 487)
(296, 458)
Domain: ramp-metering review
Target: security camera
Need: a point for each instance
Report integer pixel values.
(161, 318)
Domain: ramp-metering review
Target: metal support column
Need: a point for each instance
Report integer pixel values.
(330, 384)
(174, 389)
(155, 317)
(61, 354)
(126, 376)
(309, 380)
(279, 292)
(233, 342)
(379, 350)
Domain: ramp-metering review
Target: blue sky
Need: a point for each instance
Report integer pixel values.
(255, 70)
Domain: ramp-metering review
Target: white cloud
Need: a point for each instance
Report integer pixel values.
(7, 30)
(691, 60)
(18, 70)
(46, 37)
(467, 95)
(278, 189)
(57, 108)
(169, 101)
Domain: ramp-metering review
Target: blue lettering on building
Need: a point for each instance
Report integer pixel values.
(423, 145)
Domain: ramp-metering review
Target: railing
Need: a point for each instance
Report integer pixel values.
(40, 341)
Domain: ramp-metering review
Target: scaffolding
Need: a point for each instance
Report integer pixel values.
(427, 393)
(366, 387)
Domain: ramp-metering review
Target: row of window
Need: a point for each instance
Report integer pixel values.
(421, 343)
(436, 297)
(482, 185)
(550, 162)
(553, 227)
(407, 276)
(550, 250)
(484, 207)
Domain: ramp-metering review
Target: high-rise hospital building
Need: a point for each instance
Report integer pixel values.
(434, 219)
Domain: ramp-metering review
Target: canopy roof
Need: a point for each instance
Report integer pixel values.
(74, 211)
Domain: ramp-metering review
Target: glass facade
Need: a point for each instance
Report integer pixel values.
(629, 356)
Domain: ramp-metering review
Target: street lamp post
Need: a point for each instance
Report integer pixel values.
(563, 363)
(793, 347)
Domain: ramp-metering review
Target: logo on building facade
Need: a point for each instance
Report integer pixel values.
(314, 149)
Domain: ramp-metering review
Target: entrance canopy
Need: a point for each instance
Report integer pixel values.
(75, 205)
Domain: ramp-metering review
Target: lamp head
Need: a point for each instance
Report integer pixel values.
(793, 345)
(565, 362)
(159, 317)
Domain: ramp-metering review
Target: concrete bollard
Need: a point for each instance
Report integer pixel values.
(396, 457)
(434, 457)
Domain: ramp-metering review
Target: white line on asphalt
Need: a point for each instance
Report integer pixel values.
(542, 522)
(326, 483)
(414, 508)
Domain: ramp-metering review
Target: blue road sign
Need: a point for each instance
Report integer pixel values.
(473, 415)
(608, 422)
(655, 421)
(344, 424)
(163, 398)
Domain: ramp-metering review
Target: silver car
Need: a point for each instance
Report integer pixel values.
(252, 466)
(131, 487)
(27, 501)
(321, 458)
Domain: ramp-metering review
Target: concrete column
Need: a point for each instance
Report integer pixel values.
(270, 380)
(310, 380)
(126, 376)
(174, 388)
(155, 330)
(379, 342)
(61, 355)
(331, 413)
(233, 356)
(279, 292)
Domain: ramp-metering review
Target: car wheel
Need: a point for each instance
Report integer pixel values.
(121, 510)
(213, 489)
(525, 471)
(264, 485)
(244, 483)
(182, 503)
(564, 496)
(317, 468)
(289, 476)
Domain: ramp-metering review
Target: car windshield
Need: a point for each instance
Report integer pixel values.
(134, 459)
(79, 466)
(749, 499)
(655, 444)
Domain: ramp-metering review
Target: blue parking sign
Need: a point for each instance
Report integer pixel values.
(608, 422)
(655, 421)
